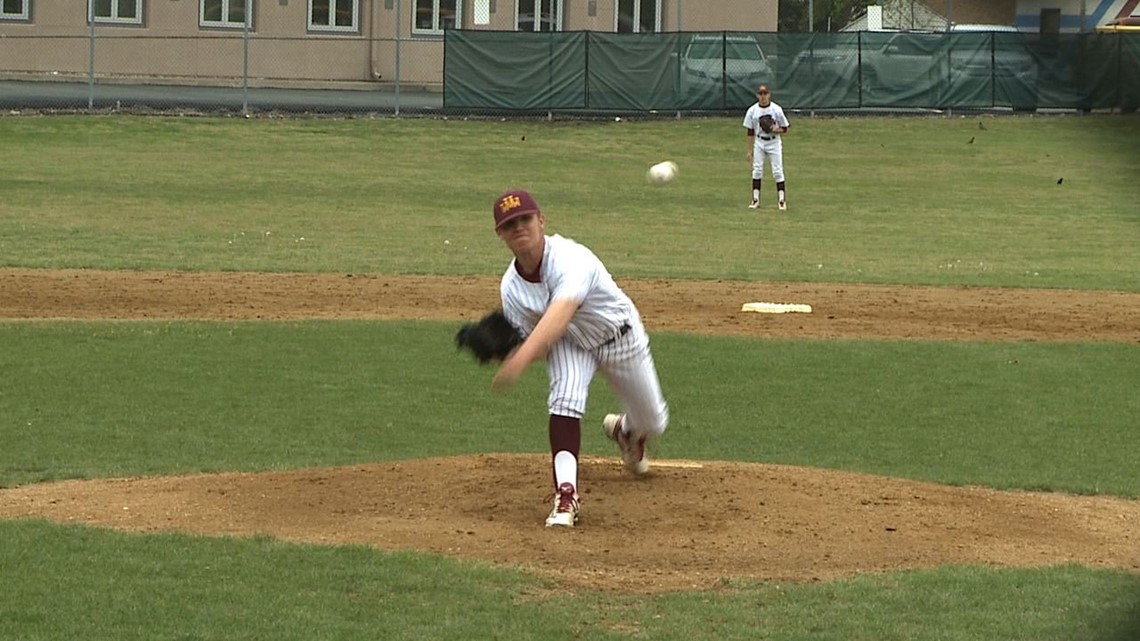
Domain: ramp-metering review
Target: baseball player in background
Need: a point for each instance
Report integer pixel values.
(765, 144)
(571, 312)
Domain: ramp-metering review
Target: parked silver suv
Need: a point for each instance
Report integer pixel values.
(899, 67)
(985, 56)
(707, 59)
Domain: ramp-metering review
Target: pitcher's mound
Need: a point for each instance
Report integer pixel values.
(688, 525)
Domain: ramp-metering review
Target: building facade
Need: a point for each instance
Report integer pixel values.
(1029, 16)
(283, 42)
(1071, 16)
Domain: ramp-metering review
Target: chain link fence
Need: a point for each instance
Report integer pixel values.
(553, 75)
(218, 74)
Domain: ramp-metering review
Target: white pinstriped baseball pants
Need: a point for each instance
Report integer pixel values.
(628, 367)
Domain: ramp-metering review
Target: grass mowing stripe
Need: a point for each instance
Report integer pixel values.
(152, 398)
(125, 398)
(1028, 415)
(78, 582)
(905, 201)
(963, 603)
(81, 583)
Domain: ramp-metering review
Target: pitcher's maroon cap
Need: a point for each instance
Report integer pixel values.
(513, 204)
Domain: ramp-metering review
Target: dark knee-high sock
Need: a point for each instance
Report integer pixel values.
(565, 436)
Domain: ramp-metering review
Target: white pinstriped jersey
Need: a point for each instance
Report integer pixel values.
(569, 270)
(605, 334)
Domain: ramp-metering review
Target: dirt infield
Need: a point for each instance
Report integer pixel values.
(706, 307)
(689, 525)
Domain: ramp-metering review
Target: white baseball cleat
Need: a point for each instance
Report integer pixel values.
(565, 512)
(783, 205)
(632, 446)
(754, 205)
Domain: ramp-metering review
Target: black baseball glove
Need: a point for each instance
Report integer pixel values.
(491, 338)
(767, 123)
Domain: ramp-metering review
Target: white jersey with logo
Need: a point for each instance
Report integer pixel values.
(752, 119)
(604, 334)
(766, 145)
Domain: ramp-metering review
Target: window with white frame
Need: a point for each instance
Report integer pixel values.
(638, 16)
(435, 16)
(117, 11)
(334, 15)
(539, 15)
(15, 9)
(223, 13)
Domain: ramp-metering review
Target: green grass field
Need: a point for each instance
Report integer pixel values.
(892, 200)
(906, 201)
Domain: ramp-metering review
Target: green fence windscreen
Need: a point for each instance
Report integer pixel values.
(516, 70)
(525, 71)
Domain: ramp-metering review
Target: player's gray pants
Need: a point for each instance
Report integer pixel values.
(627, 365)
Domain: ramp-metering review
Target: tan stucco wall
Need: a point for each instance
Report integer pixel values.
(728, 15)
(170, 45)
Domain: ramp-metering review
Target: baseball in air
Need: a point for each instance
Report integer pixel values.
(662, 172)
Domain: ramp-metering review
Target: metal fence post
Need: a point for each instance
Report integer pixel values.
(812, 86)
(245, 64)
(399, 3)
(993, 70)
(1119, 84)
(724, 70)
(91, 56)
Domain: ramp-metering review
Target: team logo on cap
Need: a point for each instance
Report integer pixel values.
(509, 202)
